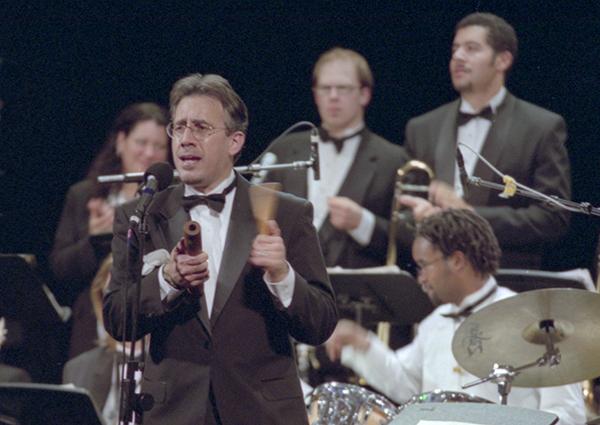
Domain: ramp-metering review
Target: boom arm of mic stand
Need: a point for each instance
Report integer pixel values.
(580, 207)
(245, 169)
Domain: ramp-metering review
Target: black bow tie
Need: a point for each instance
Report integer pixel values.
(466, 312)
(214, 201)
(465, 117)
(337, 141)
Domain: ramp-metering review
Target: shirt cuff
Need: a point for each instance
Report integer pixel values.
(283, 290)
(167, 292)
(364, 232)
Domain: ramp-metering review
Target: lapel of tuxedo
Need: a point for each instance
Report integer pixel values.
(496, 140)
(445, 150)
(355, 186)
(166, 229)
(295, 180)
(240, 235)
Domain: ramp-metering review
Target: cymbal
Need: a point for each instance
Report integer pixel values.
(508, 333)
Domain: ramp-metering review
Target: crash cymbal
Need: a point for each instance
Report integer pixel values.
(509, 332)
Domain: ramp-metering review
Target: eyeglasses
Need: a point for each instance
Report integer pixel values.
(342, 89)
(424, 264)
(200, 130)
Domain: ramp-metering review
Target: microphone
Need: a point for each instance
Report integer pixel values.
(156, 178)
(268, 158)
(314, 153)
(462, 172)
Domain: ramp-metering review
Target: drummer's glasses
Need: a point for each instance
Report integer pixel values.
(200, 130)
(422, 265)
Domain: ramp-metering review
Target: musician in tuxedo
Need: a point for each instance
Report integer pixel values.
(220, 322)
(353, 197)
(520, 139)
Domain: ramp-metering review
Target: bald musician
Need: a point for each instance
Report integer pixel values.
(457, 254)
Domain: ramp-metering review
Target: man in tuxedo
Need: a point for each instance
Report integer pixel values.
(221, 321)
(457, 255)
(353, 197)
(520, 139)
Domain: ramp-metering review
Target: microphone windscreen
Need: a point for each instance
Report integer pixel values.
(162, 172)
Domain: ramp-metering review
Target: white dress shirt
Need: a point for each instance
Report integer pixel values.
(214, 227)
(427, 364)
(473, 134)
(334, 170)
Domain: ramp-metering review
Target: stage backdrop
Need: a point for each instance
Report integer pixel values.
(68, 68)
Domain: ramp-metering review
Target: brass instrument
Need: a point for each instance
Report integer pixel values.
(412, 179)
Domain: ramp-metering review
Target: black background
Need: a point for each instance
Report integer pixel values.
(69, 68)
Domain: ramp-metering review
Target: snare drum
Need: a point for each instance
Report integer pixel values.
(334, 403)
(439, 396)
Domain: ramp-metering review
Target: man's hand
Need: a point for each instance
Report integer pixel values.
(444, 196)
(344, 213)
(185, 271)
(101, 216)
(346, 332)
(268, 252)
(421, 208)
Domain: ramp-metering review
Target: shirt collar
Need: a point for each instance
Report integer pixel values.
(494, 102)
(471, 299)
(189, 190)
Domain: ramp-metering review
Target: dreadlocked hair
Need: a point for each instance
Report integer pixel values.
(465, 231)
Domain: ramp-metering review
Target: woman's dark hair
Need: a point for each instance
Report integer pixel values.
(107, 161)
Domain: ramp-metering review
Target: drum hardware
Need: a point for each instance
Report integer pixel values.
(510, 331)
(334, 403)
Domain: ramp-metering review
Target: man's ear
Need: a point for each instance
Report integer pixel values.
(504, 61)
(237, 140)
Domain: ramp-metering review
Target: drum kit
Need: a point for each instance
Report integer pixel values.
(538, 338)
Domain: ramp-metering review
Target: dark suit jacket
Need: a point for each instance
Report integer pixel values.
(525, 142)
(244, 351)
(91, 370)
(74, 261)
(370, 183)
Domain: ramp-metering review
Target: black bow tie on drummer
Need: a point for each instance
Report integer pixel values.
(338, 142)
(214, 201)
(465, 117)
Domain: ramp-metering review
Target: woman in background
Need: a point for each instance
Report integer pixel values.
(136, 140)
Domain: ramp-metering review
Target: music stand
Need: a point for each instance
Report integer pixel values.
(471, 413)
(34, 319)
(371, 296)
(39, 404)
(520, 280)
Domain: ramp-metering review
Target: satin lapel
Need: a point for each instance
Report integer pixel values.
(355, 187)
(240, 235)
(166, 229)
(495, 142)
(445, 149)
(167, 220)
(295, 180)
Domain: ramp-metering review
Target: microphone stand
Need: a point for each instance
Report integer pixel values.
(579, 207)
(132, 404)
(245, 169)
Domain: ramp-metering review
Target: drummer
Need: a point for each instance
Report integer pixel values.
(457, 254)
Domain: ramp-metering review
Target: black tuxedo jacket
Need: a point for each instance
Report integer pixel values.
(525, 142)
(370, 183)
(243, 353)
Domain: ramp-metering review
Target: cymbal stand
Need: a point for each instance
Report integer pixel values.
(503, 375)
